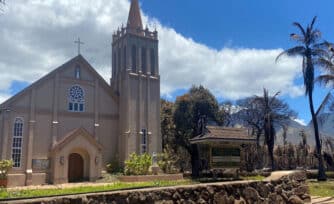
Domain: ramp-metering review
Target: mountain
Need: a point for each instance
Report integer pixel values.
(325, 117)
(293, 132)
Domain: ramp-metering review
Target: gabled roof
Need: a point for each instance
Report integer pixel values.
(76, 133)
(134, 19)
(223, 134)
(77, 59)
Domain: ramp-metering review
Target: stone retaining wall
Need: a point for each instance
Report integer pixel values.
(163, 177)
(290, 188)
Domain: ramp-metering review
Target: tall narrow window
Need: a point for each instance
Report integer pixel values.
(143, 148)
(76, 100)
(134, 58)
(17, 142)
(143, 61)
(152, 62)
(77, 72)
(119, 59)
(114, 65)
(124, 58)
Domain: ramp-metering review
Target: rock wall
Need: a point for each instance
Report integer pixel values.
(290, 188)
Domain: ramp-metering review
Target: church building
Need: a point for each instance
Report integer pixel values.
(68, 125)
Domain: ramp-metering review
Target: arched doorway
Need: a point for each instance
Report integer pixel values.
(75, 168)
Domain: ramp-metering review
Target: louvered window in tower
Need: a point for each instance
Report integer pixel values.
(134, 58)
(143, 61)
(152, 62)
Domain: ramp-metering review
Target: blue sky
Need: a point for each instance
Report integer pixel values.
(241, 23)
(258, 24)
(227, 46)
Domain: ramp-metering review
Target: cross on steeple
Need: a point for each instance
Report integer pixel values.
(79, 43)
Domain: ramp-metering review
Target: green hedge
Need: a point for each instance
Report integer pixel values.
(138, 164)
(314, 174)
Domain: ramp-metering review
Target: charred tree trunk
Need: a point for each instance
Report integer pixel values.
(194, 161)
(321, 170)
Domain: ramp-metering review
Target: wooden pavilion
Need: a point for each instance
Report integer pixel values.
(221, 147)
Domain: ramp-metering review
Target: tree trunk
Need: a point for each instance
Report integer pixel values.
(258, 135)
(321, 170)
(259, 158)
(271, 155)
(194, 161)
(272, 145)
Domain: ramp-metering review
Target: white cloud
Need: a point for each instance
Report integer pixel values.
(37, 36)
(4, 96)
(300, 121)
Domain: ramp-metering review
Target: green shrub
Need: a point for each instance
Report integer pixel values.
(5, 166)
(314, 174)
(167, 161)
(113, 167)
(138, 164)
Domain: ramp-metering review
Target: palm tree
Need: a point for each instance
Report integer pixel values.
(310, 50)
(327, 62)
(269, 130)
(274, 112)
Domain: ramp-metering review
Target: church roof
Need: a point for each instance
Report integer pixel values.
(77, 59)
(223, 134)
(134, 19)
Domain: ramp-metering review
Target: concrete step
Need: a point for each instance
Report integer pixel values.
(322, 200)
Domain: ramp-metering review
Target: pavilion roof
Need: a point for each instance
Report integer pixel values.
(223, 134)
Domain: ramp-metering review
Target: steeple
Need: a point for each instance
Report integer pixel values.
(134, 19)
(136, 82)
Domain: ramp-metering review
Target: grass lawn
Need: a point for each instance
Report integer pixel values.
(5, 194)
(113, 186)
(256, 178)
(323, 189)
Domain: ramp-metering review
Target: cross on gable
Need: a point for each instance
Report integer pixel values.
(79, 44)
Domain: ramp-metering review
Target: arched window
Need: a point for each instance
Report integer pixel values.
(17, 142)
(77, 72)
(143, 145)
(143, 61)
(76, 99)
(134, 58)
(152, 62)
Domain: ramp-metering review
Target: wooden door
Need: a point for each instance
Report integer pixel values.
(75, 168)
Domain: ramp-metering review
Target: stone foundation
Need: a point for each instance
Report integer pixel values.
(15, 180)
(290, 188)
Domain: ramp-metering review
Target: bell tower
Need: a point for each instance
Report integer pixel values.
(136, 80)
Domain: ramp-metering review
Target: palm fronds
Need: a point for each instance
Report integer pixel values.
(295, 51)
(326, 79)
